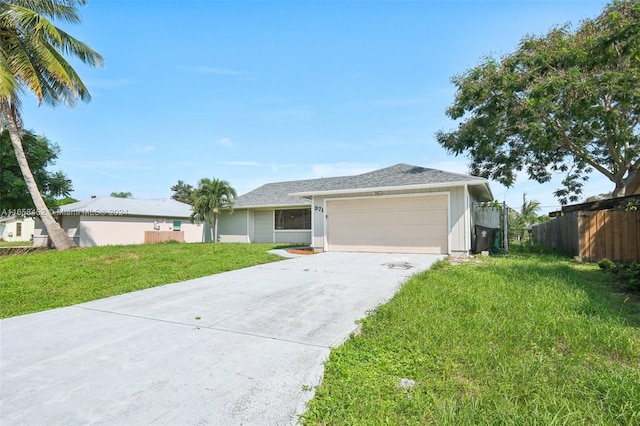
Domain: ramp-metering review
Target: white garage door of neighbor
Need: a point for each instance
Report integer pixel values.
(400, 225)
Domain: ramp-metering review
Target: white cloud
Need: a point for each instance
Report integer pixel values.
(272, 166)
(226, 142)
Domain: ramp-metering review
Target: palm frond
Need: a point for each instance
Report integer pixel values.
(65, 10)
(34, 50)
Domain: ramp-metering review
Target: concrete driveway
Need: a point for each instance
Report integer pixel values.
(230, 349)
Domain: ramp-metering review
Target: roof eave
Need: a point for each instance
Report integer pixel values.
(392, 188)
(94, 213)
(271, 206)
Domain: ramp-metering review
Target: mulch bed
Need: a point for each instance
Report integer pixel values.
(306, 250)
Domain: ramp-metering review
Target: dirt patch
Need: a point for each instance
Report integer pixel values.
(304, 250)
(459, 260)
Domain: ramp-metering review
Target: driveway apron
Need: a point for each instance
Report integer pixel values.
(237, 348)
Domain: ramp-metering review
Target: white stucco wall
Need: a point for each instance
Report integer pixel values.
(317, 224)
(9, 229)
(122, 230)
(90, 231)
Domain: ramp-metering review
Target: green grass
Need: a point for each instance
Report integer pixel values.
(44, 280)
(520, 339)
(15, 243)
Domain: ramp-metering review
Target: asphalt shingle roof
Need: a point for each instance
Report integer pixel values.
(127, 207)
(277, 194)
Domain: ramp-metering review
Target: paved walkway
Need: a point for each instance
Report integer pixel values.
(235, 348)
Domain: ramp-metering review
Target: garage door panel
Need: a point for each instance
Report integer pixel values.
(404, 224)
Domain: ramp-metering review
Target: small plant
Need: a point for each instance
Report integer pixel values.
(607, 264)
(170, 242)
(495, 204)
(632, 205)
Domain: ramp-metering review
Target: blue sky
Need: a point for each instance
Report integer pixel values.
(258, 91)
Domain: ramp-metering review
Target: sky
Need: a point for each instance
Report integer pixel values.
(254, 92)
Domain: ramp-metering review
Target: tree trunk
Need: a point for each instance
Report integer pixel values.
(59, 238)
(215, 227)
(619, 190)
(209, 220)
(632, 183)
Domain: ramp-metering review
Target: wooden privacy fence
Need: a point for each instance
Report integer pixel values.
(593, 235)
(152, 237)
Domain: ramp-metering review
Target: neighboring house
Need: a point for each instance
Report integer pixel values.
(402, 208)
(120, 221)
(16, 228)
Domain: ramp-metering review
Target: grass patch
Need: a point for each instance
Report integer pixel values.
(45, 280)
(15, 243)
(520, 339)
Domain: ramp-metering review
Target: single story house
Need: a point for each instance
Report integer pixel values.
(15, 228)
(120, 221)
(402, 208)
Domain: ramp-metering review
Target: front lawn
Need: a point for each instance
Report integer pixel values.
(15, 243)
(44, 280)
(521, 339)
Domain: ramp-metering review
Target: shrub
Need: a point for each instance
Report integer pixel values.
(630, 274)
(627, 273)
(607, 264)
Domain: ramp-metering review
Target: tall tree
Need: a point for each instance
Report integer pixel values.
(41, 154)
(32, 57)
(182, 192)
(66, 200)
(209, 198)
(121, 194)
(567, 102)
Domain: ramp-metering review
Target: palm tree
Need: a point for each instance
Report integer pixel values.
(528, 215)
(32, 58)
(529, 210)
(121, 194)
(209, 198)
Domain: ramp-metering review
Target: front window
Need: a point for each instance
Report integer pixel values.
(293, 219)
